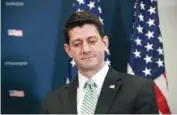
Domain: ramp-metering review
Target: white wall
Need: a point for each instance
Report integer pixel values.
(168, 24)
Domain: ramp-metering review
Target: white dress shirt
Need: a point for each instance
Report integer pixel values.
(98, 78)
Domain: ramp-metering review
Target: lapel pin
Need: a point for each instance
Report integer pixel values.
(112, 86)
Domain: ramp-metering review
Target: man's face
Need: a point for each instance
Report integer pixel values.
(87, 47)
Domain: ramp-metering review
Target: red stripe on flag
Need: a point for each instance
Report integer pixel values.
(161, 101)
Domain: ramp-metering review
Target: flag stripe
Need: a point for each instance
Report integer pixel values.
(162, 102)
(161, 83)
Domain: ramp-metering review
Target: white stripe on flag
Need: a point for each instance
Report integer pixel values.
(162, 85)
(130, 71)
(67, 80)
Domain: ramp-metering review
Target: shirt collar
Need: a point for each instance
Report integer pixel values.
(98, 78)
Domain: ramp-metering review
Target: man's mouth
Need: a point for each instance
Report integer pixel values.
(87, 57)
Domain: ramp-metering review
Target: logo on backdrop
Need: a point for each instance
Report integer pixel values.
(15, 63)
(14, 3)
(15, 33)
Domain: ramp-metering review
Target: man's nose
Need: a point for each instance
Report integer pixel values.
(86, 48)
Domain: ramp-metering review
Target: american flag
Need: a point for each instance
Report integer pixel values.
(94, 7)
(16, 93)
(147, 56)
(15, 32)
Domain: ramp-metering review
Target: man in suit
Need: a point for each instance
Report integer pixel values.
(98, 88)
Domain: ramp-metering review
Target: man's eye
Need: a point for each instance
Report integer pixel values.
(92, 42)
(76, 45)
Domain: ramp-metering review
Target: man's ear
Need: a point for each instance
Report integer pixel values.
(67, 49)
(106, 42)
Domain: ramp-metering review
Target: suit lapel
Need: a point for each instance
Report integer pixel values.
(111, 86)
(71, 98)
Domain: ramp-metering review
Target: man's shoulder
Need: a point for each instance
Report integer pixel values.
(132, 79)
(133, 82)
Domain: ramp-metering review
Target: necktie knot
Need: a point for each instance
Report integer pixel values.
(90, 83)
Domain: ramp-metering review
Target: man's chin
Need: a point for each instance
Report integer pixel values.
(88, 66)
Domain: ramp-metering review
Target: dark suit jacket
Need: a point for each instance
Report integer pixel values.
(132, 94)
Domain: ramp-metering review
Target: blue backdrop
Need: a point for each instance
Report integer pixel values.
(36, 62)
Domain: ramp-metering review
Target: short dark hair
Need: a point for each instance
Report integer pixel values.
(80, 19)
